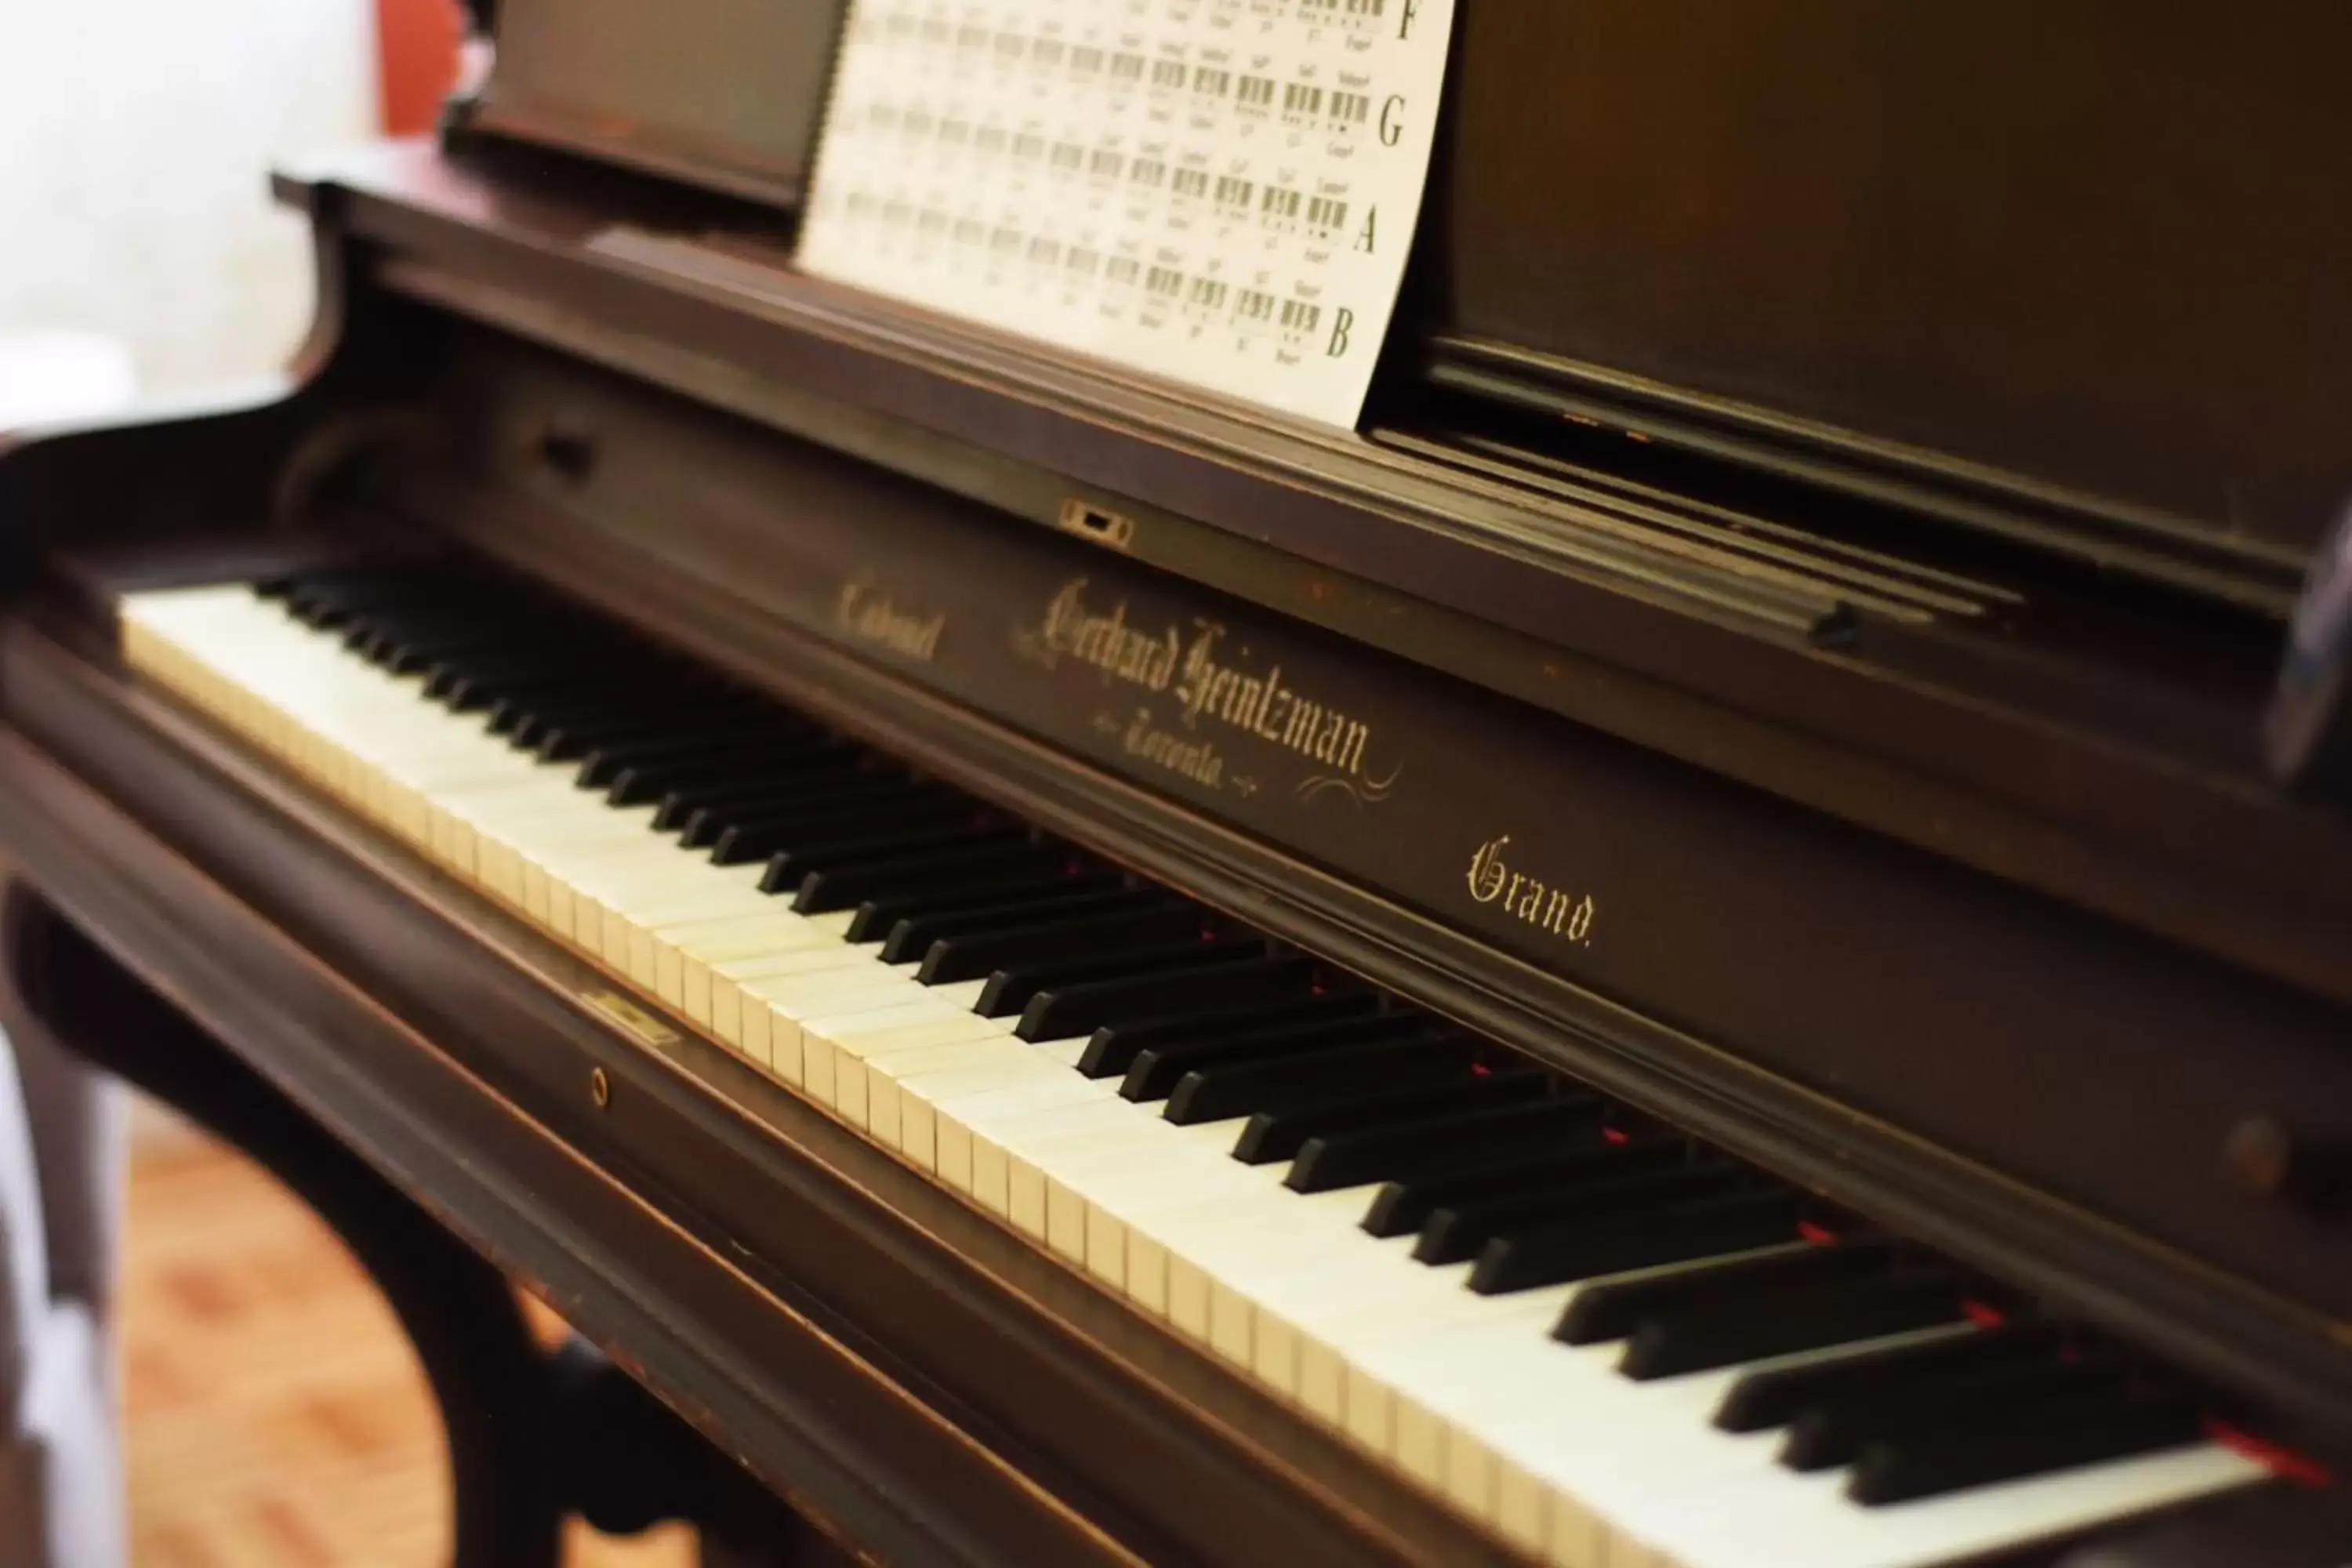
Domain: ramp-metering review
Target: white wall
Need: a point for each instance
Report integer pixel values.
(135, 138)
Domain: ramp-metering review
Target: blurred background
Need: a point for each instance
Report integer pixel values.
(273, 1413)
(138, 241)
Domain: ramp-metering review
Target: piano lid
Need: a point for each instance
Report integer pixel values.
(2077, 264)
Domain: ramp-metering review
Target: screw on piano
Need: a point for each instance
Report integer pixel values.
(567, 450)
(2269, 1159)
(2309, 731)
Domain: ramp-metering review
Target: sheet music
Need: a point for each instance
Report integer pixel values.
(1222, 192)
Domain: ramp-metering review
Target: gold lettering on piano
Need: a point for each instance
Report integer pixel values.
(871, 616)
(1209, 685)
(1195, 760)
(1527, 898)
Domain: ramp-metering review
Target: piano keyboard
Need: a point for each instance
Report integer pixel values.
(1612, 1346)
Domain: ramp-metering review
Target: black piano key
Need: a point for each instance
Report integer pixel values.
(1457, 1231)
(1114, 1046)
(826, 806)
(695, 748)
(866, 820)
(1060, 901)
(2025, 1443)
(668, 734)
(1243, 1089)
(627, 689)
(431, 602)
(467, 685)
(1008, 990)
(1613, 1311)
(1154, 1072)
(280, 588)
(1774, 1396)
(539, 652)
(1698, 1339)
(750, 747)
(1317, 1083)
(406, 652)
(1831, 1433)
(1282, 1134)
(679, 807)
(789, 871)
(747, 789)
(526, 718)
(973, 954)
(1081, 1007)
(1402, 1208)
(639, 783)
(1442, 1141)
(851, 886)
(1039, 876)
(1732, 1222)
(404, 644)
(651, 782)
(683, 714)
(840, 768)
(822, 785)
(569, 742)
(328, 604)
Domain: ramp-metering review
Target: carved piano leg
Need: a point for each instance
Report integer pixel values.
(458, 1311)
(626, 1462)
(531, 1438)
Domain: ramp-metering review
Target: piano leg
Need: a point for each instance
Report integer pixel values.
(531, 1438)
(627, 1463)
(458, 1312)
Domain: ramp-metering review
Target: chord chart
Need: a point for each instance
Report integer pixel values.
(1222, 191)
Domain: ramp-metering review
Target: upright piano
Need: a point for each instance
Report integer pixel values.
(1721, 936)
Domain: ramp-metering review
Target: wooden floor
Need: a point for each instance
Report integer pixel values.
(275, 1418)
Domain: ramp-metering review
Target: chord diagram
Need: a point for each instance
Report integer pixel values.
(1192, 186)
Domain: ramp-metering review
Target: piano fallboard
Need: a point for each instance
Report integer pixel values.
(1755, 970)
